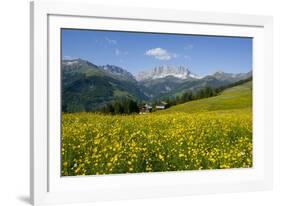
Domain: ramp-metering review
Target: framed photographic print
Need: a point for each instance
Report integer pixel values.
(126, 105)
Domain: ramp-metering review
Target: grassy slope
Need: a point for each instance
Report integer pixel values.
(238, 97)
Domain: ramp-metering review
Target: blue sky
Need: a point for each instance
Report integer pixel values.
(137, 52)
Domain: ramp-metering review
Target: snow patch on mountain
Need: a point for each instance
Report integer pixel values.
(70, 62)
(164, 71)
(195, 76)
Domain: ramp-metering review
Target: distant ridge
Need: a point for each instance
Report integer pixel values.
(87, 86)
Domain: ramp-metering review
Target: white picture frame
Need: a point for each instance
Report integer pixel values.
(47, 186)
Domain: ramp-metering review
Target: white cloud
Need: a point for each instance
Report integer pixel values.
(111, 41)
(161, 54)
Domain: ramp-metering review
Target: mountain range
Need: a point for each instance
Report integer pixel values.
(165, 71)
(87, 87)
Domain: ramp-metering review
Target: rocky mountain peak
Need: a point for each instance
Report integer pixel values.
(158, 72)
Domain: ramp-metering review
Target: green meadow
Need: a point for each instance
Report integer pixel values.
(210, 133)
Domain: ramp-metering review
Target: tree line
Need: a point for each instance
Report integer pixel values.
(205, 92)
(121, 106)
(190, 96)
(220, 89)
(129, 106)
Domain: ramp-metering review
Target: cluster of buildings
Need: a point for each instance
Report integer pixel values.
(147, 108)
